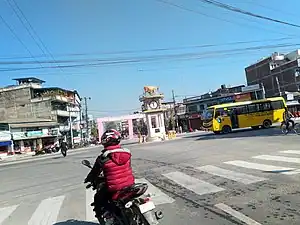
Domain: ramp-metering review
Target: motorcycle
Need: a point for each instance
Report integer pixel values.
(130, 207)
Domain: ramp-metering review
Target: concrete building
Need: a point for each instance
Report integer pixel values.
(196, 105)
(277, 74)
(36, 115)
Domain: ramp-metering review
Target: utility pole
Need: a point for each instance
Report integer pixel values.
(278, 85)
(86, 117)
(175, 109)
(71, 127)
(80, 121)
(263, 90)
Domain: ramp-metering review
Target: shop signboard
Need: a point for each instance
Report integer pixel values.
(242, 97)
(195, 116)
(226, 100)
(19, 135)
(251, 88)
(5, 136)
(35, 133)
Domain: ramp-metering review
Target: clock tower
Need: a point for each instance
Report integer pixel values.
(152, 107)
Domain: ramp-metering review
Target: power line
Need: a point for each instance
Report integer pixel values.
(19, 39)
(31, 27)
(185, 56)
(241, 11)
(159, 49)
(271, 8)
(214, 17)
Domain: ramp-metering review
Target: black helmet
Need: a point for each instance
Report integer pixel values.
(110, 137)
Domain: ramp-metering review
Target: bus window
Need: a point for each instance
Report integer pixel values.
(208, 114)
(277, 104)
(241, 110)
(220, 112)
(253, 108)
(265, 106)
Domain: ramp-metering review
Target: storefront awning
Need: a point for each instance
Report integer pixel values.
(5, 143)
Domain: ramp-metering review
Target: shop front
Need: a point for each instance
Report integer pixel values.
(5, 142)
(31, 141)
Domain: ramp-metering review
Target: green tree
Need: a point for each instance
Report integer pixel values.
(142, 126)
(94, 129)
(110, 125)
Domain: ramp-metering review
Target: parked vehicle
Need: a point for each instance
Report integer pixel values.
(131, 207)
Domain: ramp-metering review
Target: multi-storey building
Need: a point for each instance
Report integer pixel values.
(196, 105)
(36, 114)
(278, 73)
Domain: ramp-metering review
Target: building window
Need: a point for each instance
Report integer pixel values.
(153, 122)
(192, 108)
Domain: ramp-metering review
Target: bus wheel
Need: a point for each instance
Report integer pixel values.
(226, 129)
(267, 124)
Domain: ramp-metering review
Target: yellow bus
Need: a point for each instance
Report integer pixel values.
(257, 113)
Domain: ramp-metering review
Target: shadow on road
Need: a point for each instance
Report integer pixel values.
(75, 222)
(244, 133)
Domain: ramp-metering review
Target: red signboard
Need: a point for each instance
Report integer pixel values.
(194, 116)
(242, 97)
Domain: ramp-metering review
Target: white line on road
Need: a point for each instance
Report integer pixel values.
(198, 186)
(257, 166)
(89, 198)
(291, 152)
(156, 194)
(47, 211)
(5, 212)
(236, 214)
(277, 158)
(231, 175)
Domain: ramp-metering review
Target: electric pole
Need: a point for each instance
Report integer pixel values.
(86, 117)
(71, 127)
(175, 109)
(278, 86)
(80, 121)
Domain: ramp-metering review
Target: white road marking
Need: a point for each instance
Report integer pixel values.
(297, 152)
(277, 158)
(257, 166)
(89, 198)
(47, 211)
(231, 175)
(6, 212)
(157, 196)
(236, 214)
(198, 186)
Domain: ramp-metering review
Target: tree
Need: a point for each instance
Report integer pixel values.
(171, 122)
(110, 125)
(94, 129)
(142, 127)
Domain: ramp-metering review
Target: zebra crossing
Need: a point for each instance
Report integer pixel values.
(48, 211)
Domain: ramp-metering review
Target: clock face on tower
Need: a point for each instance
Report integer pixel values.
(153, 105)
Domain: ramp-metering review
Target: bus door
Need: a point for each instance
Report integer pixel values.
(234, 118)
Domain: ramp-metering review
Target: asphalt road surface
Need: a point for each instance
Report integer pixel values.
(247, 177)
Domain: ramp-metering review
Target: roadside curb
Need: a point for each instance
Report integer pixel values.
(32, 158)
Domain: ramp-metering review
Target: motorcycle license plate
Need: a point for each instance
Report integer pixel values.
(148, 206)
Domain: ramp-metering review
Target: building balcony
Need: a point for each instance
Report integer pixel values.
(65, 113)
(58, 98)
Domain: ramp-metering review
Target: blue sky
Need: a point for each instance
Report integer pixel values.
(98, 27)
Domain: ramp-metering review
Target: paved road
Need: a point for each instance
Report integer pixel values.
(247, 176)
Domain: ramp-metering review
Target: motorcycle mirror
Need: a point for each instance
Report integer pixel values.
(86, 163)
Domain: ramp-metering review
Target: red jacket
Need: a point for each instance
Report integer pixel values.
(115, 162)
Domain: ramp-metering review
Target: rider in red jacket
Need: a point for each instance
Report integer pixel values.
(115, 163)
